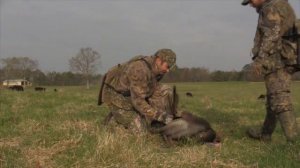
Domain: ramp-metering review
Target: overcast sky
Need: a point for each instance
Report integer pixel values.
(216, 34)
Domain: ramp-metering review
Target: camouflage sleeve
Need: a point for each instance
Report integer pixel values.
(271, 35)
(256, 47)
(140, 77)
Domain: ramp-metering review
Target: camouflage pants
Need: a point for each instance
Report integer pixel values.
(124, 113)
(279, 104)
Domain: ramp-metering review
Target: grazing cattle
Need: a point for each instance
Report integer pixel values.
(16, 88)
(41, 89)
(55, 90)
(189, 94)
(261, 97)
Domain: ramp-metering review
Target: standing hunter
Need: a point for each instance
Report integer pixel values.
(274, 54)
(133, 93)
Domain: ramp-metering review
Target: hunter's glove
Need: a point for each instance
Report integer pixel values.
(163, 117)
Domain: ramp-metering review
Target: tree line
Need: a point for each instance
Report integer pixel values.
(201, 74)
(83, 68)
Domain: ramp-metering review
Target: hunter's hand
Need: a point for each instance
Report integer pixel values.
(163, 117)
(256, 68)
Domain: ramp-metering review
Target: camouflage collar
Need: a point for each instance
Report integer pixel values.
(154, 67)
(150, 60)
(266, 4)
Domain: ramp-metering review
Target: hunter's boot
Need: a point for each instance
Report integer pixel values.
(265, 133)
(288, 124)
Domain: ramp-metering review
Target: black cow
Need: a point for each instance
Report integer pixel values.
(41, 89)
(189, 94)
(16, 88)
(261, 97)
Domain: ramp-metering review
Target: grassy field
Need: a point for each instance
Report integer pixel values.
(63, 129)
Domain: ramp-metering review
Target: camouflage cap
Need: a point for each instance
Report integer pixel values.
(167, 55)
(245, 2)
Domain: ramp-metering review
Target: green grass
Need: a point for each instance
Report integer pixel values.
(63, 129)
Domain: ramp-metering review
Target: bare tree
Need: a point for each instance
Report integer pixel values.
(18, 67)
(85, 62)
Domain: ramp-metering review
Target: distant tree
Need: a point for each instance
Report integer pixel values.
(85, 63)
(18, 67)
(39, 78)
(199, 74)
(51, 78)
(2, 75)
(219, 76)
(249, 75)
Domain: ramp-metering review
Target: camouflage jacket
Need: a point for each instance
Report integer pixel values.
(137, 79)
(276, 19)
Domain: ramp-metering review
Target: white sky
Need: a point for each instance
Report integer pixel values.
(216, 34)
